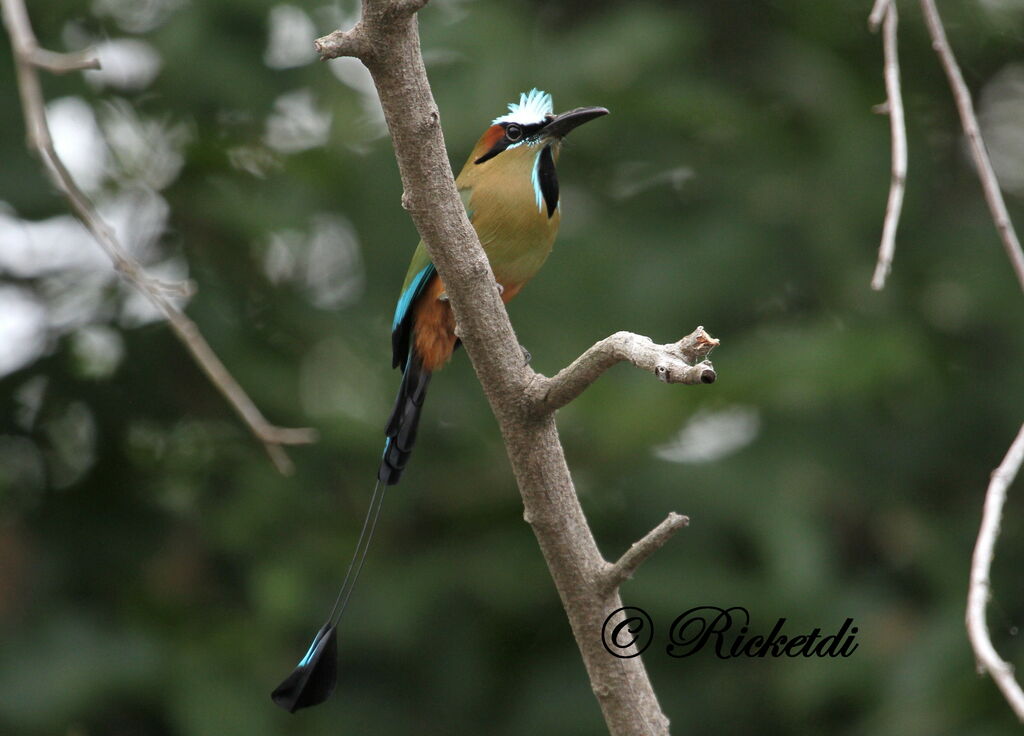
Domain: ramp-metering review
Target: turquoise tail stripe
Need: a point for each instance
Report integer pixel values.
(409, 295)
(309, 654)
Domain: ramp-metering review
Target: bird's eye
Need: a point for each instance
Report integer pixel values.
(513, 133)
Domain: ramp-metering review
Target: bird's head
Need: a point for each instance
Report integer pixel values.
(530, 123)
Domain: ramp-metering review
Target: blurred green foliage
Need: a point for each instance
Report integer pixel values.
(158, 577)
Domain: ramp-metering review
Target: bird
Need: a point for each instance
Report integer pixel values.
(509, 187)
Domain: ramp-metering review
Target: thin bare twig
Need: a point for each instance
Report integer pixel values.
(969, 122)
(622, 570)
(877, 13)
(28, 58)
(980, 587)
(681, 362)
(57, 63)
(898, 128)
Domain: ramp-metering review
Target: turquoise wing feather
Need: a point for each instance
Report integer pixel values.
(401, 326)
(421, 270)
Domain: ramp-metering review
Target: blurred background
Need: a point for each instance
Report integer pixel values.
(158, 577)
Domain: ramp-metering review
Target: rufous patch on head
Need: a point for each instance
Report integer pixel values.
(491, 136)
(491, 143)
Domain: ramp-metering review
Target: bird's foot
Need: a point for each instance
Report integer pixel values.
(501, 289)
(526, 355)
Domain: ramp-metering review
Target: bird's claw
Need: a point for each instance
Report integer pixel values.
(526, 355)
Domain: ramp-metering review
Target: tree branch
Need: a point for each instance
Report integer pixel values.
(980, 588)
(894, 108)
(623, 569)
(962, 97)
(877, 13)
(342, 43)
(28, 58)
(386, 40)
(57, 63)
(681, 362)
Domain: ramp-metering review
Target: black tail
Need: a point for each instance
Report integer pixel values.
(315, 677)
(405, 418)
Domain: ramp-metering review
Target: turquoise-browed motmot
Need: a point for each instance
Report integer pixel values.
(510, 190)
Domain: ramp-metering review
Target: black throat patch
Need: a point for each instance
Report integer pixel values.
(547, 179)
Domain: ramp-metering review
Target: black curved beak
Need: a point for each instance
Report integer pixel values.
(561, 125)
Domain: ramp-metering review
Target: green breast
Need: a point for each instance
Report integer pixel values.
(516, 233)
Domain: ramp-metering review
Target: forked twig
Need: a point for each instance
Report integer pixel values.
(28, 59)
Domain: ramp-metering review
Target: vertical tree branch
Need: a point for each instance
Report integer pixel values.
(980, 586)
(894, 108)
(962, 97)
(386, 39)
(28, 58)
